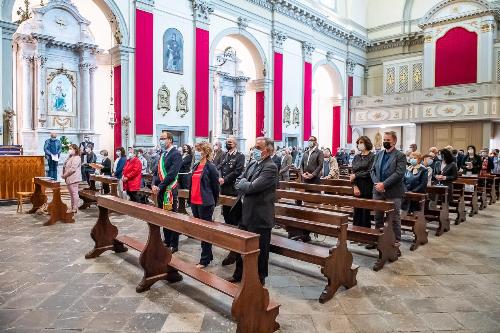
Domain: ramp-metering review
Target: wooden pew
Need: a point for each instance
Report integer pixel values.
(415, 220)
(457, 205)
(482, 196)
(437, 209)
(336, 182)
(89, 195)
(57, 208)
(251, 307)
(336, 263)
(470, 197)
(384, 239)
(318, 188)
(488, 181)
(497, 183)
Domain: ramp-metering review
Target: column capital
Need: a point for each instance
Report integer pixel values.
(329, 56)
(307, 51)
(279, 37)
(201, 12)
(145, 4)
(350, 66)
(85, 66)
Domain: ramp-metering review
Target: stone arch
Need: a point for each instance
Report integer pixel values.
(332, 68)
(435, 9)
(108, 7)
(246, 35)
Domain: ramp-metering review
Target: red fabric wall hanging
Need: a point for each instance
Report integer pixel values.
(117, 92)
(259, 113)
(336, 129)
(307, 100)
(202, 84)
(278, 97)
(144, 73)
(456, 58)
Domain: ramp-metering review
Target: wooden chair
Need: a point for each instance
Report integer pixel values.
(251, 308)
(22, 197)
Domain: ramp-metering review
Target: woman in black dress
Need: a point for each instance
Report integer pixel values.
(472, 162)
(448, 171)
(185, 170)
(362, 182)
(106, 169)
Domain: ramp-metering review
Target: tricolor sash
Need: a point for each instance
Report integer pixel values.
(168, 198)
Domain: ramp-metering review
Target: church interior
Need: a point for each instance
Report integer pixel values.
(349, 149)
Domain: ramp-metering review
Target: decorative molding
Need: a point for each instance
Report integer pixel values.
(296, 117)
(329, 56)
(402, 40)
(63, 71)
(163, 99)
(307, 51)
(428, 21)
(350, 66)
(182, 102)
(242, 23)
(202, 10)
(279, 38)
(287, 116)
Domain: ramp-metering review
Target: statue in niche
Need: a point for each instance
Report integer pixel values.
(173, 49)
(378, 140)
(287, 117)
(163, 100)
(296, 116)
(227, 115)
(182, 98)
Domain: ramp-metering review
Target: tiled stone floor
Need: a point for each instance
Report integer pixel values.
(46, 285)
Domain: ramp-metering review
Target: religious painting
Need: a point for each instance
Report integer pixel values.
(61, 92)
(173, 51)
(227, 115)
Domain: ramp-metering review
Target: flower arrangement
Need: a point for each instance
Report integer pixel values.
(65, 144)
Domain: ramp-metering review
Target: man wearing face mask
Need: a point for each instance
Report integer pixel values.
(52, 149)
(312, 163)
(230, 168)
(256, 194)
(88, 159)
(83, 153)
(165, 183)
(387, 173)
(218, 153)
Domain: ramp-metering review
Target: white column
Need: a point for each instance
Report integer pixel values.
(485, 68)
(239, 94)
(92, 96)
(26, 88)
(126, 94)
(85, 97)
(429, 59)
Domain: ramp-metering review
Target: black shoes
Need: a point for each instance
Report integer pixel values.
(230, 259)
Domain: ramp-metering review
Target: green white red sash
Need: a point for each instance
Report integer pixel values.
(168, 198)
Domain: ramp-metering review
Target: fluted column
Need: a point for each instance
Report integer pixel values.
(92, 96)
(85, 96)
(239, 93)
(26, 91)
(41, 108)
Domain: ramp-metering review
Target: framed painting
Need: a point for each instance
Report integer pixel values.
(61, 92)
(173, 51)
(227, 115)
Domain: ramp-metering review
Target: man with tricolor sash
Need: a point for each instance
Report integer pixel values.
(165, 183)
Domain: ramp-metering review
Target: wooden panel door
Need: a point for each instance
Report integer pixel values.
(461, 134)
(442, 135)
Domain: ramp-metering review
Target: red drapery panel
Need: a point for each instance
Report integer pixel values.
(350, 92)
(117, 92)
(144, 73)
(456, 58)
(278, 97)
(202, 84)
(336, 129)
(307, 99)
(259, 113)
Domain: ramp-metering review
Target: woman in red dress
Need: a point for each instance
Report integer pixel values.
(132, 176)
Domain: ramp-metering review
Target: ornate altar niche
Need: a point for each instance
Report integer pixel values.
(55, 56)
(230, 88)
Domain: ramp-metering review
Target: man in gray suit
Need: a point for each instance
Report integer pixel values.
(257, 193)
(387, 175)
(312, 163)
(286, 163)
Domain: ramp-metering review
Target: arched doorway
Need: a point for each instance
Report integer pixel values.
(239, 89)
(327, 105)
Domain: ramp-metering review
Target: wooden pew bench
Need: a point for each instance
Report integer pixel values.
(336, 182)
(415, 221)
(457, 203)
(384, 239)
(490, 185)
(57, 208)
(336, 263)
(470, 196)
(89, 195)
(251, 308)
(437, 210)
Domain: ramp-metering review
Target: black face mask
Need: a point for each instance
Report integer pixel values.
(229, 146)
(387, 145)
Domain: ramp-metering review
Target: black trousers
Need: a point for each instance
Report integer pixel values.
(205, 213)
(264, 246)
(171, 238)
(232, 215)
(134, 196)
(105, 188)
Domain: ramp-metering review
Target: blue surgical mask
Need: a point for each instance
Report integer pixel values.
(413, 161)
(197, 155)
(440, 157)
(430, 161)
(163, 144)
(257, 155)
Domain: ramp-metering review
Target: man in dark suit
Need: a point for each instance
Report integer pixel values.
(312, 163)
(276, 158)
(231, 167)
(286, 163)
(257, 193)
(387, 175)
(165, 183)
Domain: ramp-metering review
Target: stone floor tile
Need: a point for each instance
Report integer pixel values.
(146, 322)
(213, 322)
(8, 316)
(403, 322)
(334, 323)
(369, 323)
(476, 321)
(358, 306)
(73, 320)
(37, 318)
(183, 322)
(440, 321)
(296, 323)
(109, 321)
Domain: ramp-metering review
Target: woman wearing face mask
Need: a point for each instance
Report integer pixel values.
(204, 193)
(89, 158)
(427, 161)
(415, 180)
(118, 168)
(132, 176)
(184, 171)
(472, 161)
(361, 180)
(448, 172)
(487, 162)
(330, 165)
(105, 169)
(72, 176)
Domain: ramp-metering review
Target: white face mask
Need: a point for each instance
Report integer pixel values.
(71, 152)
(361, 147)
(470, 151)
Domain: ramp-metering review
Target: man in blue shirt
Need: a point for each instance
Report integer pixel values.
(387, 175)
(52, 149)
